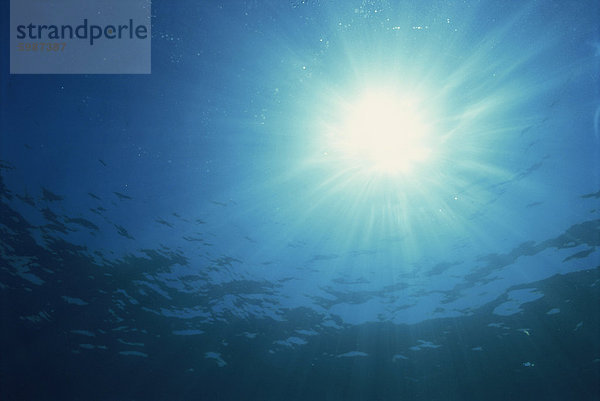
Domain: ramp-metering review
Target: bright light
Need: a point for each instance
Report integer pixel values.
(382, 132)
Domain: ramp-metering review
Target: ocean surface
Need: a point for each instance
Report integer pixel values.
(235, 226)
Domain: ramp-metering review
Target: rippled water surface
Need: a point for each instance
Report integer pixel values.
(310, 200)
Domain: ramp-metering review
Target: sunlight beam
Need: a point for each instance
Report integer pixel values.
(381, 133)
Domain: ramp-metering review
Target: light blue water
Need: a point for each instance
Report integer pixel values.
(196, 234)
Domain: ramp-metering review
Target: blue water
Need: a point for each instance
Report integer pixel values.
(195, 234)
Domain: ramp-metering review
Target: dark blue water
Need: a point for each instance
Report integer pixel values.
(208, 232)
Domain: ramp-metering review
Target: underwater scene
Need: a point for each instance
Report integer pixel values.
(310, 200)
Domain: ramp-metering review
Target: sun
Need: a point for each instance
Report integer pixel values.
(382, 132)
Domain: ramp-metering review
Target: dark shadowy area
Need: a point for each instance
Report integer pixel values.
(128, 350)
